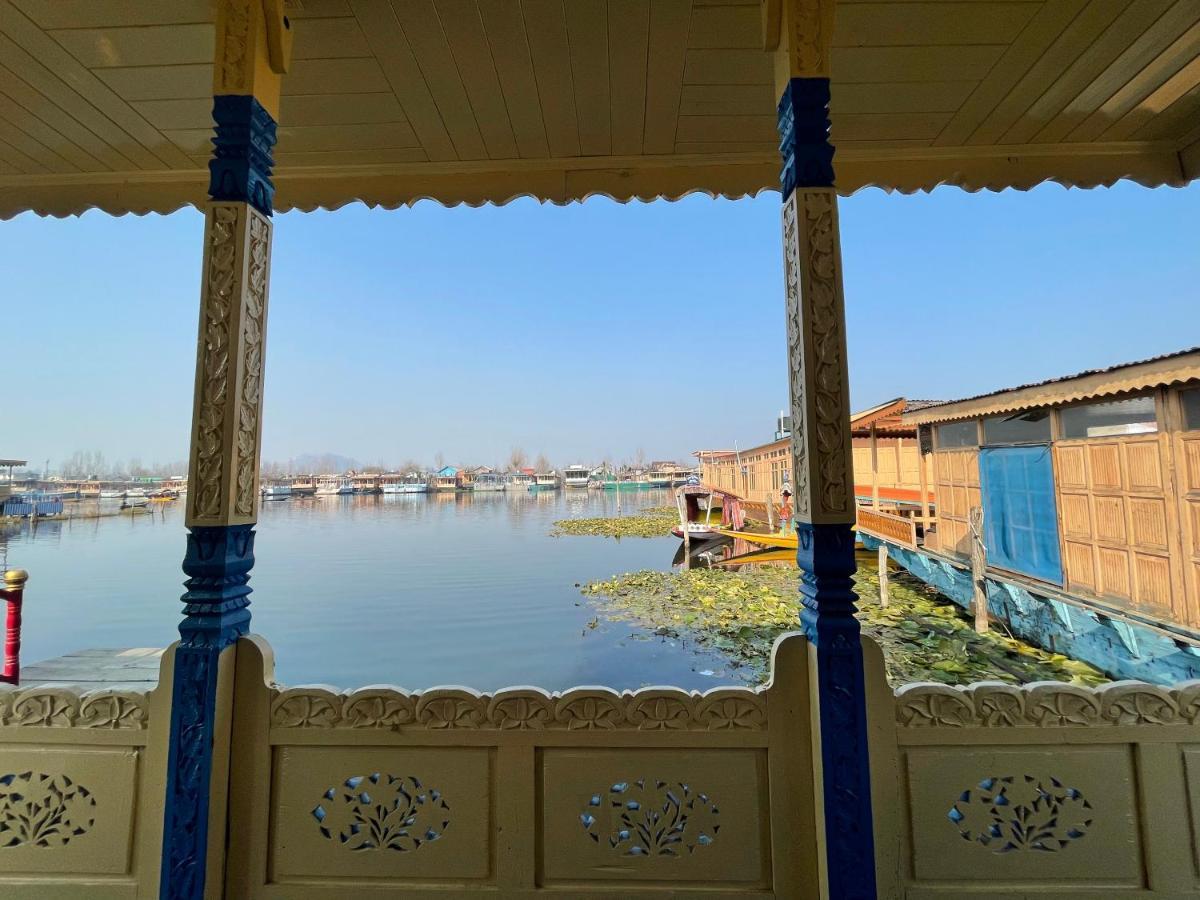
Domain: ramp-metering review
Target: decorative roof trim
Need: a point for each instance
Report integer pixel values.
(1165, 371)
(730, 175)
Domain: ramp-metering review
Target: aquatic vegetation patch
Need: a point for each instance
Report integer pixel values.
(652, 522)
(924, 636)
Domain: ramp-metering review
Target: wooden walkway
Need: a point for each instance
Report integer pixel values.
(132, 669)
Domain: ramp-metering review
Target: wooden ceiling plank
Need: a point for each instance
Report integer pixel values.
(469, 46)
(903, 97)
(320, 9)
(352, 157)
(587, 34)
(49, 14)
(341, 109)
(725, 28)
(1141, 86)
(144, 144)
(726, 99)
(743, 129)
(7, 169)
(901, 24)
(18, 160)
(19, 139)
(386, 38)
(46, 134)
(505, 29)
(176, 114)
(151, 45)
(39, 105)
(728, 67)
(888, 127)
(901, 65)
(1171, 91)
(1139, 54)
(1178, 123)
(160, 82)
(668, 42)
(628, 46)
(334, 76)
(431, 50)
(1081, 34)
(312, 138)
(54, 93)
(1095, 59)
(546, 28)
(718, 147)
(331, 38)
(1049, 22)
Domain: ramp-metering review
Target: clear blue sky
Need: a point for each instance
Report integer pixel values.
(585, 331)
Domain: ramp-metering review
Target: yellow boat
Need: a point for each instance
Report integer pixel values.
(782, 541)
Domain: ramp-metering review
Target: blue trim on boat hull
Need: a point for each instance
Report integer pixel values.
(1120, 648)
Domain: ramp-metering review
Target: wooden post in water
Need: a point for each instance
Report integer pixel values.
(883, 574)
(13, 592)
(978, 566)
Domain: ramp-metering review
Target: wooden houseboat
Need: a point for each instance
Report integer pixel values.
(444, 480)
(1085, 492)
(365, 482)
(522, 480)
(545, 481)
(490, 482)
(334, 485)
(411, 483)
(304, 486)
(576, 476)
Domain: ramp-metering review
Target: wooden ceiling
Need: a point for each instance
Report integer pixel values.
(107, 102)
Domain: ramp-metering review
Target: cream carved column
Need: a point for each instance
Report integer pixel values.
(800, 33)
(252, 50)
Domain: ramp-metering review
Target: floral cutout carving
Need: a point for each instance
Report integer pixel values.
(61, 707)
(649, 817)
(1010, 813)
(382, 812)
(38, 810)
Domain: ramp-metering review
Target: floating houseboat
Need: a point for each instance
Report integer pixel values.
(304, 486)
(490, 482)
(521, 481)
(1080, 497)
(365, 483)
(412, 483)
(276, 491)
(545, 481)
(576, 476)
(334, 485)
(444, 480)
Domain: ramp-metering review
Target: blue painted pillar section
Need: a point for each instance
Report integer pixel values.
(219, 556)
(825, 556)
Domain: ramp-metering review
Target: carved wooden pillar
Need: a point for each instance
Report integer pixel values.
(252, 47)
(823, 482)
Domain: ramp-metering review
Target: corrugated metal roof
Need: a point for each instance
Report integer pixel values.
(1032, 395)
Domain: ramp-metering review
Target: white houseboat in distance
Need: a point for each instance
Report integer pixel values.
(490, 481)
(576, 476)
(521, 480)
(276, 491)
(545, 481)
(411, 483)
(334, 485)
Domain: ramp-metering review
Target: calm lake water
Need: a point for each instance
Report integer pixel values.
(416, 590)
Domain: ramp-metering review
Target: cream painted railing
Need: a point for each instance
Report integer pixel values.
(523, 792)
(82, 781)
(1049, 790)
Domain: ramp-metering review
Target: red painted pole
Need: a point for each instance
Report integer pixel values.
(14, 589)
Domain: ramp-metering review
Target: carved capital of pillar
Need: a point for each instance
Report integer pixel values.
(227, 413)
(823, 480)
(804, 30)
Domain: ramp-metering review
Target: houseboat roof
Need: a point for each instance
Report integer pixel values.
(663, 105)
(886, 417)
(6, 463)
(1091, 384)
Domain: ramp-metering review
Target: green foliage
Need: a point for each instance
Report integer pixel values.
(652, 522)
(924, 636)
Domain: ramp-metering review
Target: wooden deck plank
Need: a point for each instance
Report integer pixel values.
(134, 668)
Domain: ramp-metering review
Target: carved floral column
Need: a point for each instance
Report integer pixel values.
(252, 47)
(823, 482)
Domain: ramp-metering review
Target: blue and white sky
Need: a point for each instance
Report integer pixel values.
(583, 332)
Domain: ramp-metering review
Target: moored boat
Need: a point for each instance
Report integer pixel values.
(575, 477)
(412, 483)
(545, 481)
(444, 480)
(276, 491)
(490, 481)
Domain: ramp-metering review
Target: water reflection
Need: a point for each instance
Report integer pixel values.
(418, 590)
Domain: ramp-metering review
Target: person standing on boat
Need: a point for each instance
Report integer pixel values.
(785, 513)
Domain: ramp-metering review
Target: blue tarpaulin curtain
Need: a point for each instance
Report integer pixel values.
(1020, 517)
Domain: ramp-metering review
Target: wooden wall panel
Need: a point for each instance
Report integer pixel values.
(956, 487)
(1124, 482)
(1187, 474)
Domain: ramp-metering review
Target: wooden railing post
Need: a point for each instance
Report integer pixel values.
(13, 593)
